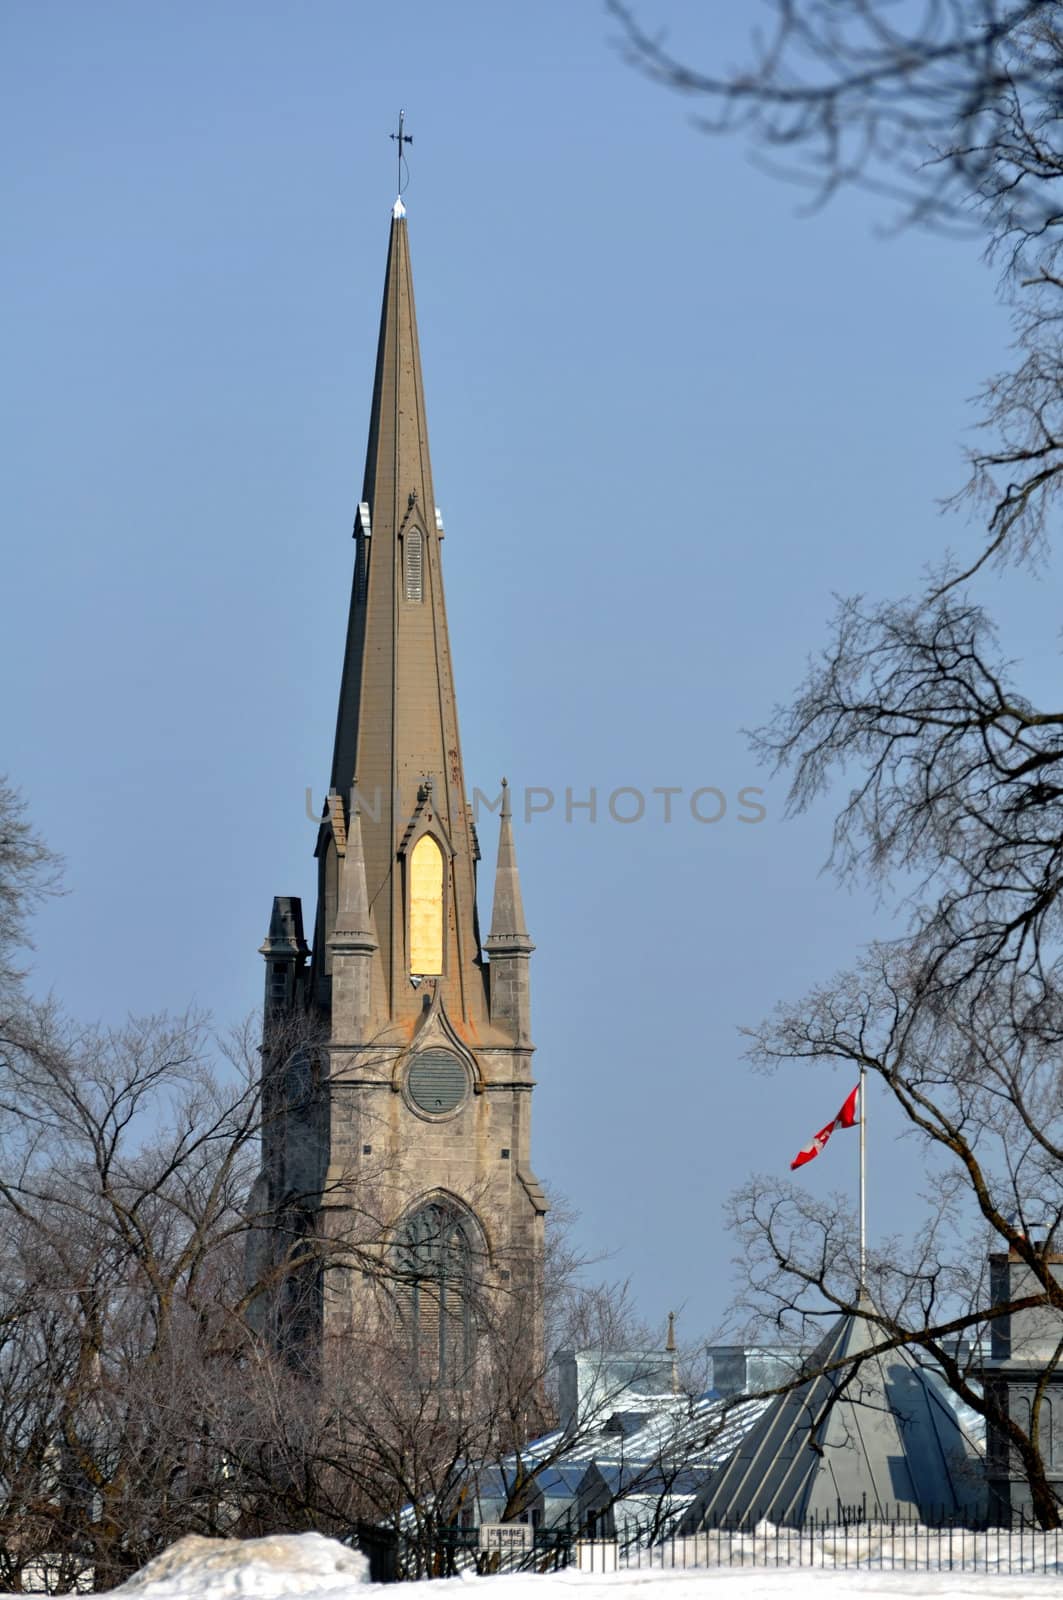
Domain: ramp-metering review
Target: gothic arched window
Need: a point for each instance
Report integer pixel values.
(436, 1262)
(414, 563)
(426, 908)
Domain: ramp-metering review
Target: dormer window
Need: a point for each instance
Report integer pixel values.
(413, 586)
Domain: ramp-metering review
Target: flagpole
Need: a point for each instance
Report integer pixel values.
(863, 1182)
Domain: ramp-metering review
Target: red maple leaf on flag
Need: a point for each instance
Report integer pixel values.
(846, 1118)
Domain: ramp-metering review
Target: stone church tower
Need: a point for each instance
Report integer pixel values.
(397, 1059)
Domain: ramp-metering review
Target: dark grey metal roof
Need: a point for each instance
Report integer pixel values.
(872, 1436)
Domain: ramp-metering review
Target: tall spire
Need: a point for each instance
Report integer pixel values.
(509, 931)
(397, 725)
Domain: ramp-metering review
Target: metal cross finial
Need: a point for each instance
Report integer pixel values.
(401, 138)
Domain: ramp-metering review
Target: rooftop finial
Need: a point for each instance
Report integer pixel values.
(670, 1349)
(401, 138)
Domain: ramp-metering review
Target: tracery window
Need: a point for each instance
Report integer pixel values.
(436, 1262)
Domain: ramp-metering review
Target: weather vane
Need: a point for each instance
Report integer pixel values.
(401, 138)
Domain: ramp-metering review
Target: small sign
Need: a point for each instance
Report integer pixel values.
(505, 1536)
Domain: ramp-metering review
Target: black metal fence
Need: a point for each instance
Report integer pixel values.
(455, 1551)
(898, 1545)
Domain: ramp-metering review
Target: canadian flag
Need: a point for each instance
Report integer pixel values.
(846, 1118)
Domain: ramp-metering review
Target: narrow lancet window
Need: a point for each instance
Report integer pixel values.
(426, 909)
(361, 570)
(414, 555)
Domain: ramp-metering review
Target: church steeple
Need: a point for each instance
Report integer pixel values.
(412, 1102)
(397, 727)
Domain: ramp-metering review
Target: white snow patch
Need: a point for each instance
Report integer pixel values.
(305, 1564)
(310, 1567)
(749, 1585)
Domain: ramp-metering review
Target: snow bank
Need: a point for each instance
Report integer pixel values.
(305, 1565)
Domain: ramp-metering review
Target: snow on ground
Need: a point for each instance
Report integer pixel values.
(310, 1567)
(735, 1584)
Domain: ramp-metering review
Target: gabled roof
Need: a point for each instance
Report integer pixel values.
(871, 1435)
(562, 1480)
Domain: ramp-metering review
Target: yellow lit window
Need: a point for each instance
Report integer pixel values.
(426, 908)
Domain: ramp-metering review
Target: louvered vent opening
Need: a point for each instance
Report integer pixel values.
(437, 1081)
(415, 565)
(361, 571)
(427, 1317)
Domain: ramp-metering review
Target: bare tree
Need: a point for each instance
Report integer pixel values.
(29, 870)
(150, 1386)
(987, 1111)
(410, 1446)
(126, 1168)
(954, 774)
(942, 107)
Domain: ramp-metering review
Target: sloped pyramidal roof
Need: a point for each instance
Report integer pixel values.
(870, 1437)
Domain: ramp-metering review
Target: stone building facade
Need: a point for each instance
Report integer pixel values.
(398, 1051)
(1025, 1374)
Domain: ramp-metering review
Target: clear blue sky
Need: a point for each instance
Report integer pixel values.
(669, 417)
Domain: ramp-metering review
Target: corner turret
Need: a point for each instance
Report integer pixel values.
(285, 951)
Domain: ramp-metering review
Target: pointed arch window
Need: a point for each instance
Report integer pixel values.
(426, 909)
(413, 563)
(436, 1261)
